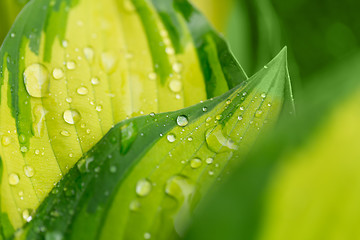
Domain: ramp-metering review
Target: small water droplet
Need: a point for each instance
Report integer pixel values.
(258, 113)
(5, 141)
(175, 85)
(228, 102)
(24, 149)
(217, 142)
(95, 81)
(68, 100)
(171, 138)
(190, 139)
(242, 108)
(26, 214)
(135, 205)
(170, 50)
(177, 67)
(36, 79)
(182, 120)
(113, 169)
(143, 187)
(12, 35)
(147, 235)
(205, 109)
(58, 73)
(209, 160)
(22, 138)
(14, 179)
(218, 117)
(29, 171)
(65, 133)
(71, 116)
(263, 95)
(152, 76)
(71, 65)
(65, 43)
(98, 108)
(152, 114)
(211, 173)
(82, 91)
(240, 118)
(195, 163)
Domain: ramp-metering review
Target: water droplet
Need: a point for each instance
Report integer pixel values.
(65, 133)
(258, 113)
(205, 109)
(175, 85)
(71, 116)
(170, 50)
(242, 108)
(14, 179)
(65, 43)
(152, 76)
(209, 160)
(68, 100)
(5, 141)
(26, 214)
(98, 108)
(108, 62)
(95, 81)
(190, 139)
(36, 79)
(263, 95)
(217, 142)
(58, 73)
(147, 235)
(182, 120)
(195, 163)
(218, 117)
(24, 149)
(29, 171)
(211, 173)
(12, 35)
(143, 187)
(135, 205)
(171, 138)
(71, 65)
(177, 67)
(228, 102)
(22, 138)
(89, 54)
(240, 118)
(152, 114)
(82, 91)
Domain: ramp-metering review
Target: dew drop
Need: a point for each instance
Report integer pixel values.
(24, 149)
(205, 109)
(170, 50)
(218, 117)
(95, 81)
(39, 121)
(65, 133)
(143, 187)
(195, 163)
(71, 116)
(71, 65)
(14, 179)
(209, 160)
(228, 102)
(58, 73)
(113, 169)
(147, 235)
(182, 120)
(5, 141)
(82, 91)
(190, 139)
(36, 79)
(171, 138)
(152, 76)
(135, 205)
(240, 118)
(175, 85)
(263, 95)
(177, 67)
(26, 214)
(29, 171)
(98, 108)
(65, 43)
(22, 138)
(258, 113)
(242, 108)
(68, 100)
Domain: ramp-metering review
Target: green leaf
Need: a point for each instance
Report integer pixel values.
(71, 70)
(302, 182)
(146, 176)
(9, 9)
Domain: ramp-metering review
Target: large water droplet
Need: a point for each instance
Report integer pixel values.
(95, 81)
(82, 91)
(71, 116)
(217, 142)
(143, 187)
(36, 79)
(29, 171)
(182, 120)
(71, 65)
(14, 179)
(175, 85)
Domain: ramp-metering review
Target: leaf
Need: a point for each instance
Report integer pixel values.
(9, 9)
(70, 70)
(302, 182)
(151, 188)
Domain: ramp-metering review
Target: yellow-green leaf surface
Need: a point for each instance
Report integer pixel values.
(146, 176)
(70, 70)
(9, 9)
(302, 182)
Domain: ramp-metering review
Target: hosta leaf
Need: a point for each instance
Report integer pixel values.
(144, 178)
(303, 181)
(70, 70)
(9, 9)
